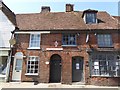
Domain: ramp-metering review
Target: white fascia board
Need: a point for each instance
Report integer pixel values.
(4, 48)
(36, 32)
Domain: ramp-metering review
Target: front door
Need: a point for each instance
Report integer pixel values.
(17, 69)
(55, 68)
(77, 69)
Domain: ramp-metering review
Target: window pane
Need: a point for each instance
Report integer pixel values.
(18, 64)
(91, 18)
(35, 40)
(32, 66)
(69, 39)
(105, 65)
(104, 40)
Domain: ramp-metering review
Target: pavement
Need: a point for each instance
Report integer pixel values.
(48, 85)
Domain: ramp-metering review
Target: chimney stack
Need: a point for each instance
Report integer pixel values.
(69, 7)
(45, 9)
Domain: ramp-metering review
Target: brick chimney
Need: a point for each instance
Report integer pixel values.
(45, 9)
(69, 7)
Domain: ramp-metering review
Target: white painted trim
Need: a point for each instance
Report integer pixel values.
(33, 48)
(23, 56)
(17, 75)
(2, 75)
(59, 49)
(35, 32)
(5, 49)
(31, 74)
(69, 45)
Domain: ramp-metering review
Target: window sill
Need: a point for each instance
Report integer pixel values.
(69, 45)
(103, 76)
(33, 48)
(105, 47)
(30, 74)
(89, 23)
(1, 75)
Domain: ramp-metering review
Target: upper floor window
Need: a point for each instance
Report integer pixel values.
(104, 40)
(90, 18)
(32, 65)
(69, 39)
(34, 41)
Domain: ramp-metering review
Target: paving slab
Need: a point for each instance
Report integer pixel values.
(49, 85)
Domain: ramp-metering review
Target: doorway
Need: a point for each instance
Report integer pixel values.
(17, 67)
(77, 69)
(55, 68)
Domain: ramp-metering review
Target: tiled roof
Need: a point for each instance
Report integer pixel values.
(10, 15)
(118, 20)
(63, 21)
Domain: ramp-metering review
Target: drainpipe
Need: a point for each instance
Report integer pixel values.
(7, 78)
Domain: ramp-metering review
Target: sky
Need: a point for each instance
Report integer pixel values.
(34, 6)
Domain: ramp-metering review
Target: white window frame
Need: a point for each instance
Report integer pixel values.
(30, 66)
(30, 42)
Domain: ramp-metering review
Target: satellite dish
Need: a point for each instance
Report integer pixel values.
(12, 41)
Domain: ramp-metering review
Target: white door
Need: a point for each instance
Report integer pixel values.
(17, 70)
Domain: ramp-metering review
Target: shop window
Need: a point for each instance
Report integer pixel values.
(105, 65)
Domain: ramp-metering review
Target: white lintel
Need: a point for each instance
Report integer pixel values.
(59, 49)
(30, 32)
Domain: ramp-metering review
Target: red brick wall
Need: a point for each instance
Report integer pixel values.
(47, 41)
(105, 81)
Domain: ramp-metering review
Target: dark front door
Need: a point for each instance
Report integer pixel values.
(55, 68)
(77, 69)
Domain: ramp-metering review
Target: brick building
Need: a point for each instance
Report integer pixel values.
(67, 47)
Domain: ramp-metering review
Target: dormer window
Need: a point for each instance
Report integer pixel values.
(90, 16)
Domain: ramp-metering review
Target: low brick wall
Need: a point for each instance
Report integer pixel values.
(105, 81)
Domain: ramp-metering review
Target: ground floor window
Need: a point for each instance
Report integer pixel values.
(105, 64)
(32, 65)
(3, 64)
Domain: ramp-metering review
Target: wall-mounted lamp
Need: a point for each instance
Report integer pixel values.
(95, 34)
(47, 62)
(78, 34)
